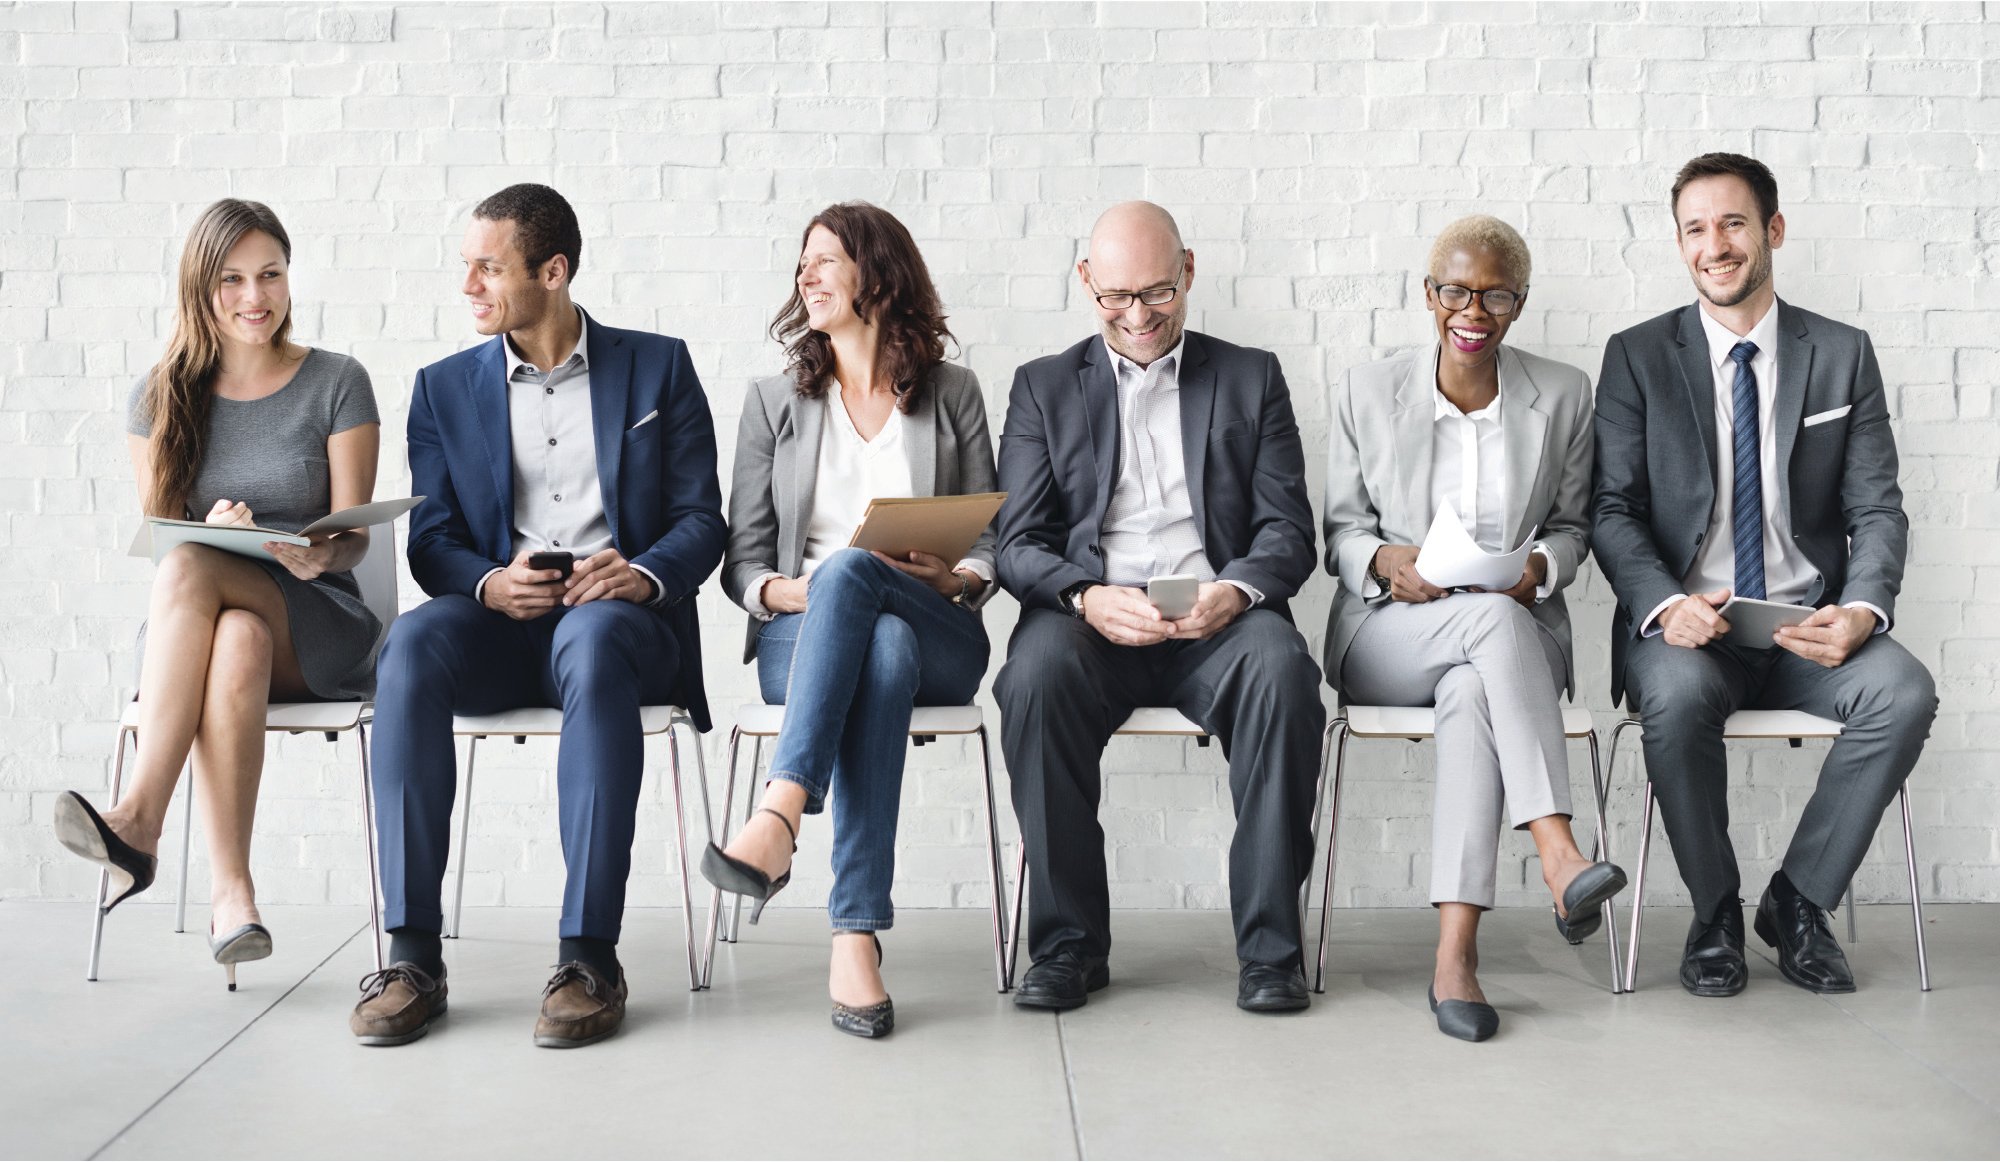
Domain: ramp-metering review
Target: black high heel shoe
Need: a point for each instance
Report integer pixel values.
(876, 1020)
(250, 942)
(733, 875)
(82, 830)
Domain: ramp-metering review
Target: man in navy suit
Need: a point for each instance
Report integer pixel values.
(561, 435)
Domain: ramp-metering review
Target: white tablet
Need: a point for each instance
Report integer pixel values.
(1755, 623)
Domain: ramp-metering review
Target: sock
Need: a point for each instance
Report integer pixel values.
(421, 948)
(601, 955)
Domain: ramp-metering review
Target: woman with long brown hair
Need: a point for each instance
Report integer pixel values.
(846, 639)
(236, 424)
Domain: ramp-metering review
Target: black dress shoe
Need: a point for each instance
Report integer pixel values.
(1271, 988)
(1808, 955)
(1465, 1020)
(1712, 965)
(1062, 981)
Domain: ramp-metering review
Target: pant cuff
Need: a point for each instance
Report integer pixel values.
(844, 924)
(407, 916)
(815, 795)
(590, 926)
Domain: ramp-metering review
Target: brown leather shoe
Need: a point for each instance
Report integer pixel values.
(579, 1007)
(397, 1005)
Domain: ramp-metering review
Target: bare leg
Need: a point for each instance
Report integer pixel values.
(1561, 861)
(229, 758)
(1456, 977)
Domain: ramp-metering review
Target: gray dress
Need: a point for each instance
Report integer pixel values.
(270, 454)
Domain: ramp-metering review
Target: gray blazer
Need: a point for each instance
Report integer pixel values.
(777, 465)
(1656, 438)
(1379, 473)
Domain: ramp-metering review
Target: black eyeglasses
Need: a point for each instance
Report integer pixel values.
(1457, 298)
(1158, 296)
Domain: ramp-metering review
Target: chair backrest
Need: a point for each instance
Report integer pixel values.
(376, 576)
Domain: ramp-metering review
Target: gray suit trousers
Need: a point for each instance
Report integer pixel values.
(1495, 676)
(1884, 699)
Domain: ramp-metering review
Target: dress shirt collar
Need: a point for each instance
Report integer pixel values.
(1441, 405)
(1721, 340)
(1165, 365)
(580, 357)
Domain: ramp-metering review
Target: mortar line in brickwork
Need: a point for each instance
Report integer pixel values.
(1069, 1087)
(220, 1049)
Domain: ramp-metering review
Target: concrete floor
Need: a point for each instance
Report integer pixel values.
(157, 1060)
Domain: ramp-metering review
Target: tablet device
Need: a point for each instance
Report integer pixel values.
(1755, 623)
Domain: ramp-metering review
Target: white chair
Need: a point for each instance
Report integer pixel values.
(546, 722)
(1165, 721)
(1794, 726)
(376, 577)
(1416, 723)
(757, 722)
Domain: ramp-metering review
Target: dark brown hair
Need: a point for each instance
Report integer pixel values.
(178, 389)
(896, 295)
(544, 225)
(1754, 173)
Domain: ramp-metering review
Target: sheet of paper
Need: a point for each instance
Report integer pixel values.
(1451, 559)
(361, 516)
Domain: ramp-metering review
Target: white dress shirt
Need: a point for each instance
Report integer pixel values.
(852, 472)
(558, 502)
(1788, 576)
(1149, 529)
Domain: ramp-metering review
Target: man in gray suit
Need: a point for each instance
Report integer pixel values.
(1744, 448)
(1145, 451)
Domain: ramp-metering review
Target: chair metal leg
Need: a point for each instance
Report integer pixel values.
(680, 843)
(1020, 891)
(104, 876)
(187, 844)
(1602, 844)
(1332, 851)
(1852, 936)
(368, 832)
(1319, 805)
(735, 932)
(1916, 894)
(994, 869)
(1639, 889)
(464, 834)
(715, 894)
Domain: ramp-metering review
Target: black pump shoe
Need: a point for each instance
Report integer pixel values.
(1465, 1020)
(876, 1020)
(82, 830)
(733, 875)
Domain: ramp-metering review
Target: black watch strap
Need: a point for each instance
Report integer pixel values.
(1072, 597)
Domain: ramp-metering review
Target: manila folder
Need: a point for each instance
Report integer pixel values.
(943, 526)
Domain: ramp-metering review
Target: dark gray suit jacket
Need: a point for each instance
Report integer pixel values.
(777, 469)
(1654, 484)
(1246, 470)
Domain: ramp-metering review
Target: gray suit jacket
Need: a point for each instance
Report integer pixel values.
(777, 466)
(1379, 475)
(1656, 446)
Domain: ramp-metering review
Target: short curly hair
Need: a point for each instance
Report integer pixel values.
(1483, 232)
(544, 224)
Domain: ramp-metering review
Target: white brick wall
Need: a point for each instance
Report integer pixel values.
(1309, 150)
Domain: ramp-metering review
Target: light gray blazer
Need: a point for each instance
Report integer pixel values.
(1378, 478)
(777, 465)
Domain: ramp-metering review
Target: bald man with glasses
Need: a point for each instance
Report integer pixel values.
(1148, 450)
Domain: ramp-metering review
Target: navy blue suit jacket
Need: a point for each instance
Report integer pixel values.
(657, 478)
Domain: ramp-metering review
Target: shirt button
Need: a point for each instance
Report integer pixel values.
(557, 496)
(557, 544)
(548, 391)
(552, 441)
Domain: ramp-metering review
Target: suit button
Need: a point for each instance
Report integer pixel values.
(1095, 551)
(1698, 538)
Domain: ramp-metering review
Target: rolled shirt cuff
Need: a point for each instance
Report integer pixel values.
(1551, 576)
(753, 595)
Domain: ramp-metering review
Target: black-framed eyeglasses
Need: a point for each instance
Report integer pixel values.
(1496, 301)
(1158, 296)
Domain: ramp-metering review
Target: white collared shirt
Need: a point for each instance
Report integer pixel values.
(1788, 576)
(1469, 469)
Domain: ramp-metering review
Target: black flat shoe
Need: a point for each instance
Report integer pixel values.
(1808, 955)
(250, 942)
(876, 1020)
(1271, 988)
(82, 830)
(1712, 963)
(1465, 1020)
(1062, 981)
(1584, 928)
(733, 875)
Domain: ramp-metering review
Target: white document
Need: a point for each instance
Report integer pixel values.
(1451, 559)
(160, 534)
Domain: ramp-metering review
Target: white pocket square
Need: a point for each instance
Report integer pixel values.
(1825, 416)
(650, 416)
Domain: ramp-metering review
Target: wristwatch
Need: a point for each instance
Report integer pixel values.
(1375, 575)
(1072, 597)
(964, 588)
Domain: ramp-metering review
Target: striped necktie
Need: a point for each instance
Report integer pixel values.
(1747, 515)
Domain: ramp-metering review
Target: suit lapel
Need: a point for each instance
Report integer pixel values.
(610, 387)
(1523, 430)
(920, 440)
(488, 393)
(1411, 429)
(1699, 379)
(1099, 387)
(1794, 356)
(1197, 390)
(808, 422)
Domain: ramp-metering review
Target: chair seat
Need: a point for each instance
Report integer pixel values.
(297, 716)
(547, 720)
(1160, 720)
(759, 719)
(1421, 721)
(1779, 724)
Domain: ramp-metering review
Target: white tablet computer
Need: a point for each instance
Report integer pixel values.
(1755, 623)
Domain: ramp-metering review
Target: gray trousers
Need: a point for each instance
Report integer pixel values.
(1883, 698)
(1495, 676)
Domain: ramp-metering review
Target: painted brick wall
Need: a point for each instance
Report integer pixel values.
(1310, 152)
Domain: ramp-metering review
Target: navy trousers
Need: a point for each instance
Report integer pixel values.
(598, 662)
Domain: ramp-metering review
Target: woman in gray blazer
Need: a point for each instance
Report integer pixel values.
(1503, 438)
(846, 639)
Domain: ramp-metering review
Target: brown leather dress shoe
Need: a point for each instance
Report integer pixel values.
(397, 1005)
(579, 1007)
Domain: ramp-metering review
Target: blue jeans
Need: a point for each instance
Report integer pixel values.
(872, 643)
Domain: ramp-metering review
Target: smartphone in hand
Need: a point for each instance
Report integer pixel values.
(553, 559)
(1173, 595)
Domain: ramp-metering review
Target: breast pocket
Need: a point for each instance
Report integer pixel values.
(1233, 430)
